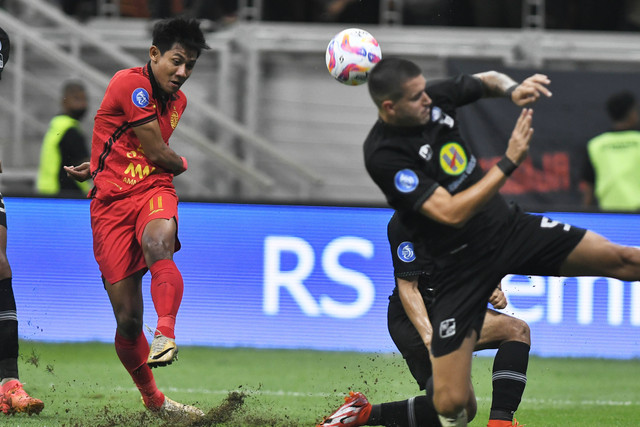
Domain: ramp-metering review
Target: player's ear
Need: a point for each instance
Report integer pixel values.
(154, 53)
(388, 107)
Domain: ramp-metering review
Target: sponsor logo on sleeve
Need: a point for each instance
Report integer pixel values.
(140, 97)
(405, 252)
(406, 180)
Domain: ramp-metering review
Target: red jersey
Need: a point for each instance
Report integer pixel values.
(119, 167)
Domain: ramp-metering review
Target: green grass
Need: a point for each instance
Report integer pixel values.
(85, 385)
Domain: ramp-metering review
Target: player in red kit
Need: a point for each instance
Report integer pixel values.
(134, 204)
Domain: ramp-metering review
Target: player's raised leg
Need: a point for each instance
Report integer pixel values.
(158, 242)
(595, 255)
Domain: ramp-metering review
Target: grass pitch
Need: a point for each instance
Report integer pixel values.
(85, 385)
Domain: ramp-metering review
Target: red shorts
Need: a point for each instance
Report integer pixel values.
(118, 226)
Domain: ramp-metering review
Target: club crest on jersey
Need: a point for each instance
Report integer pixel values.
(175, 117)
(426, 152)
(453, 159)
(140, 97)
(406, 180)
(448, 328)
(405, 252)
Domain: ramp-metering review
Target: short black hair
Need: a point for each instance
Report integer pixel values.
(620, 104)
(71, 86)
(387, 77)
(185, 32)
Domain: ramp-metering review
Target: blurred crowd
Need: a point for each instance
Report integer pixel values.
(596, 15)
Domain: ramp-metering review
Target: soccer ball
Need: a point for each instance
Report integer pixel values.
(351, 54)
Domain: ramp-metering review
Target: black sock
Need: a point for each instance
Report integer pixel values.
(8, 331)
(415, 412)
(509, 379)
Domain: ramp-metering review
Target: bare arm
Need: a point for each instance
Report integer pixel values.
(81, 173)
(156, 150)
(456, 210)
(529, 91)
(413, 305)
(495, 84)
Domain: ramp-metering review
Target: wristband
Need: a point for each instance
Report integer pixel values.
(506, 166)
(185, 166)
(509, 92)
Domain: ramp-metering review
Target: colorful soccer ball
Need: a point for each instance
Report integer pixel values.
(351, 54)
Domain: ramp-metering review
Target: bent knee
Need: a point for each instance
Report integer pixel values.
(450, 402)
(519, 331)
(128, 324)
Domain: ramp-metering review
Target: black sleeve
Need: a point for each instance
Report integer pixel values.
(73, 148)
(402, 181)
(455, 92)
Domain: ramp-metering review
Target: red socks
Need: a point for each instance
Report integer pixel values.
(166, 292)
(133, 355)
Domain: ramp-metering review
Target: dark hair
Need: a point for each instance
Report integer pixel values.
(387, 77)
(620, 104)
(71, 86)
(185, 32)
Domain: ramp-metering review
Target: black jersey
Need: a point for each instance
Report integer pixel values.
(409, 163)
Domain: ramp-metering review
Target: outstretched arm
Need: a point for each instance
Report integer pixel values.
(529, 91)
(455, 210)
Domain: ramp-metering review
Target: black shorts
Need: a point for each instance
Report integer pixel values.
(529, 245)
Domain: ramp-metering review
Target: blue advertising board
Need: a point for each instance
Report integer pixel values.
(279, 276)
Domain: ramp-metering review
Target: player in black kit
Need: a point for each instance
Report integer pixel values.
(430, 176)
(411, 331)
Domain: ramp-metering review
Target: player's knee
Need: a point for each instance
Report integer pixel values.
(519, 331)
(129, 324)
(449, 402)
(157, 248)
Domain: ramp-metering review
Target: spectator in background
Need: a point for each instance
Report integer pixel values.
(611, 174)
(64, 144)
